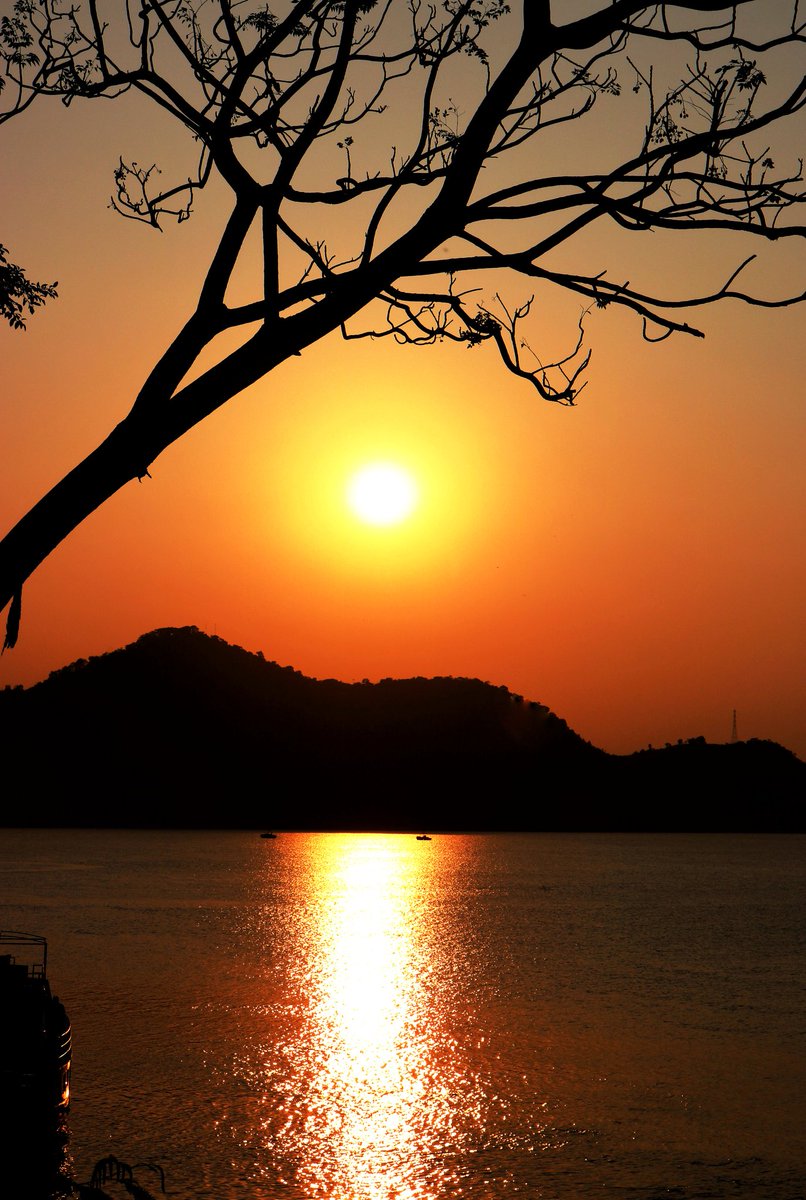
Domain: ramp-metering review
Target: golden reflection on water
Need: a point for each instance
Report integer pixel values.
(372, 1066)
(366, 1096)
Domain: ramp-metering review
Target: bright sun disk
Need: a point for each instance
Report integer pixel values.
(382, 494)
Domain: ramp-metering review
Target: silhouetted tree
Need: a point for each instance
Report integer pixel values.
(19, 295)
(386, 151)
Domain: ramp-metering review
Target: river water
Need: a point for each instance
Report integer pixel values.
(372, 1017)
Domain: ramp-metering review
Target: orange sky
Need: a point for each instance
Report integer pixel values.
(636, 563)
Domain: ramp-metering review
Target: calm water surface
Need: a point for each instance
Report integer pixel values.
(362, 1017)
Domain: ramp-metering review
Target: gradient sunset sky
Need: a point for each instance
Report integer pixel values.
(638, 563)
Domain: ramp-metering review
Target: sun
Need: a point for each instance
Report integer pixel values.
(382, 493)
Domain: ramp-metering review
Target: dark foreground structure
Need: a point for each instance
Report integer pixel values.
(35, 1062)
(37, 1038)
(181, 729)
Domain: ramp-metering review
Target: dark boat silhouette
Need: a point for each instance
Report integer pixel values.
(423, 837)
(268, 835)
(36, 1052)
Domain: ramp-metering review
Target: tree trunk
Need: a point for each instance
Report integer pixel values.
(124, 455)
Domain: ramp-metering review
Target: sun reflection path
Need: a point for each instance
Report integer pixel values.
(372, 1055)
(368, 1077)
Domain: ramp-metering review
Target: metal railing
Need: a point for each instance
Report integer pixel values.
(25, 943)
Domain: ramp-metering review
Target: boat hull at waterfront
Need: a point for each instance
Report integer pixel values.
(36, 1054)
(35, 1067)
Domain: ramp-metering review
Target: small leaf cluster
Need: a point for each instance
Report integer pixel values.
(18, 294)
(746, 73)
(263, 21)
(482, 326)
(16, 37)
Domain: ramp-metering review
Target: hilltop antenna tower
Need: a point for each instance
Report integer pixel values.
(734, 736)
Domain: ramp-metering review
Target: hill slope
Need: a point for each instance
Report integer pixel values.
(183, 729)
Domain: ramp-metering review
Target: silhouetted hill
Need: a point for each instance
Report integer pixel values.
(183, 729)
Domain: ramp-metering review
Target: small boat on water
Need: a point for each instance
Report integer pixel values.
(268, 835)
(423, 837)
(36, 1046)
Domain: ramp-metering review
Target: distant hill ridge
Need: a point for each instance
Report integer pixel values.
(181, 728)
